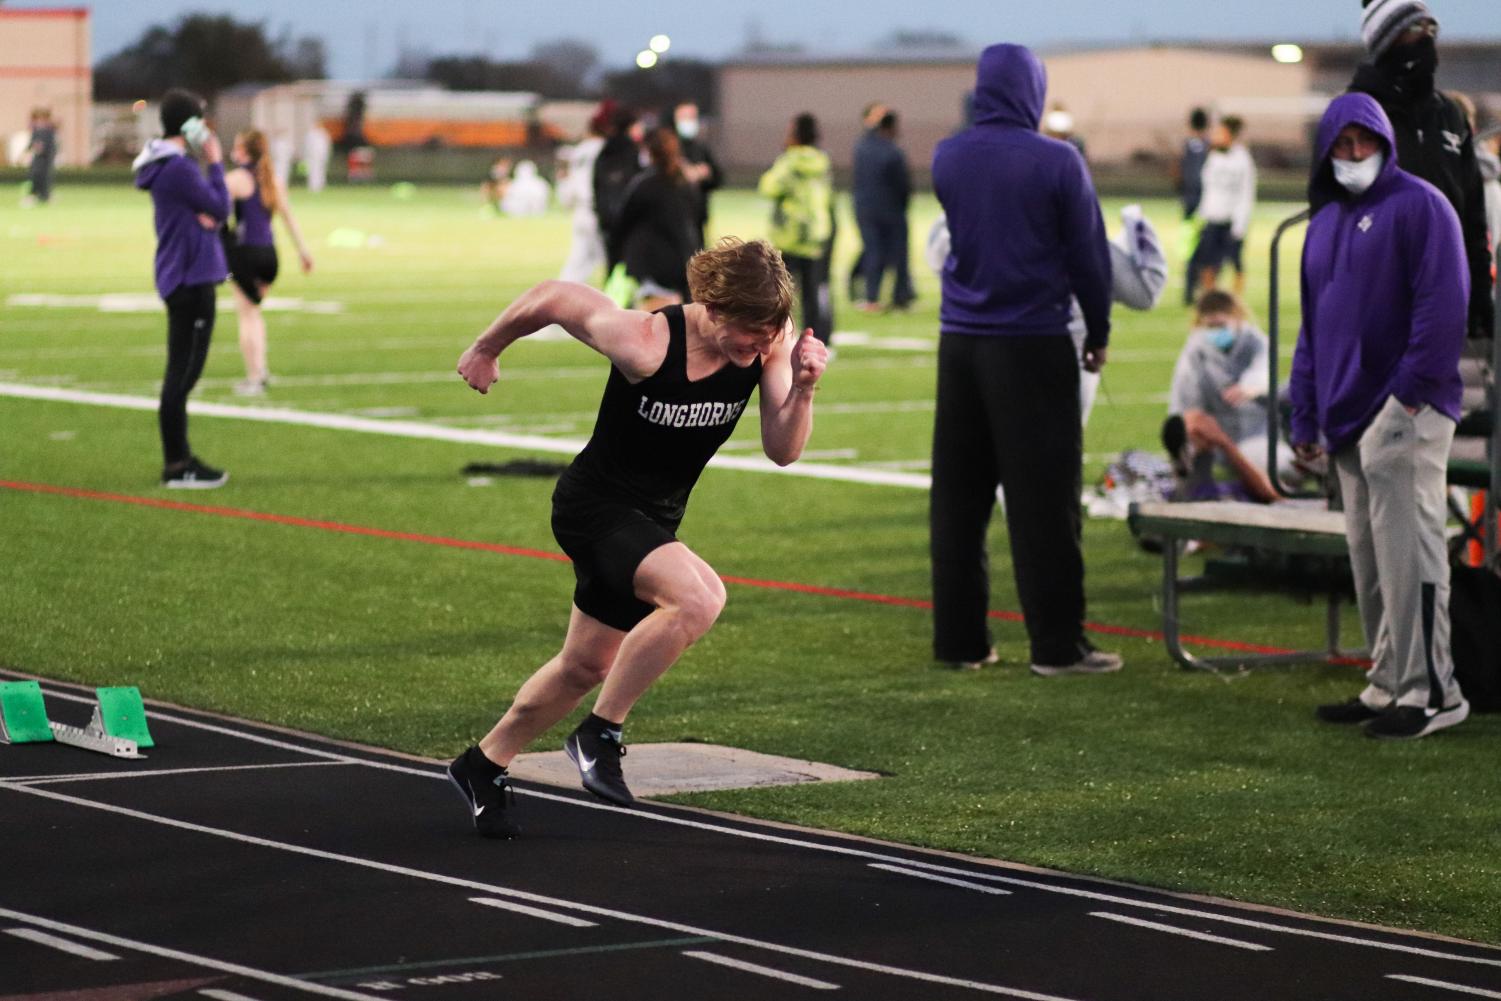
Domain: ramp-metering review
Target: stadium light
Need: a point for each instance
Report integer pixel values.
(659, 44)
(646, 59)
(1287, 53)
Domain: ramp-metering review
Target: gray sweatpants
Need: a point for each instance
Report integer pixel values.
(1393, 483)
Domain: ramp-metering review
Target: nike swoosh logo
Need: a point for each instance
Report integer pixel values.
(586, 763)
(478, 810)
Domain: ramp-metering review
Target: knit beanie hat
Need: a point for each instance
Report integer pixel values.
(1384, 21)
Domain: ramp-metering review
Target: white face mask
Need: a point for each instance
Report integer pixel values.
(1355, 176)
(688, 128)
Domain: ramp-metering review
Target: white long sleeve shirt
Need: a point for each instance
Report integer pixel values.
(1229, 189)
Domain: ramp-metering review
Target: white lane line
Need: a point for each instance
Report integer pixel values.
(1478, 992)
(835, 849)
(218, 995)
(934, 877)
(535, 912)
(60, 944)
(765, 971)
(1186, 933)
(535, 898)
(186, 957)
(154, 772)
(434, 432)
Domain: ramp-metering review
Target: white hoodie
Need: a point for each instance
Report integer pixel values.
(1229, 189)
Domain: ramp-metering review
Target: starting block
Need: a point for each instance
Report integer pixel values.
(118, 727)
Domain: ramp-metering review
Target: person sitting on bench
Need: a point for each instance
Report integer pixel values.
(1217, 414)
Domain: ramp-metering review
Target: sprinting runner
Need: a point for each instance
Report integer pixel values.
(679, 381)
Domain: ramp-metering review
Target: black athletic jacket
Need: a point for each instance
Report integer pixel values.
(1434, 142)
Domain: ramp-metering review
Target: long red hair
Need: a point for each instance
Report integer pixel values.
(255, 145)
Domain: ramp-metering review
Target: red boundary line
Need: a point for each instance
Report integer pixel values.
(539, 554)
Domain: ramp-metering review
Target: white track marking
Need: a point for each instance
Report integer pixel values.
(844, 850)
(147, 773)
(765, 971)
(535, 912)
(535, 898)
(934, 877)
(1171, 930)
(433, 432)
(1478, 992)
(219, 995)
(185, 957)
(60, 944)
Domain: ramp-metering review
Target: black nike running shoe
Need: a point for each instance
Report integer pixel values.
(487, 794)
(598, 758)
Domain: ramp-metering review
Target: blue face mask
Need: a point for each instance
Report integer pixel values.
(1223, 338)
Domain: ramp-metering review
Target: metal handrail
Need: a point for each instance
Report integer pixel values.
(1273, 298)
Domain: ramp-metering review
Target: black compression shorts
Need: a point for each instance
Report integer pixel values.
(607, 541)
(252, 268)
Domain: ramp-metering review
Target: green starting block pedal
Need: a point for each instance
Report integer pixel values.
(23, 714)
(118, 727)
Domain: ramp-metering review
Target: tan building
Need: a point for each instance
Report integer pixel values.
(45, 62)
(1126, 102)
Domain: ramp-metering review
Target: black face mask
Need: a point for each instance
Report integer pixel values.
(1412, 67)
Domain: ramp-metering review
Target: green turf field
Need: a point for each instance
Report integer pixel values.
(1221, 785)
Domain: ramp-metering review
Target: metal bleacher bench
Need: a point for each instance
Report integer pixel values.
(1274, 528)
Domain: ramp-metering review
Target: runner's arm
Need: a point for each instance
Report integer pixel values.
(634, 341)
(789, 377)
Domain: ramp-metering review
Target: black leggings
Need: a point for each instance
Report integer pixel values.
(190, 324)
(811, 276)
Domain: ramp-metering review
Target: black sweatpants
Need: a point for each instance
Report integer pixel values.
(190, 324)
(811, 276)
(1007, 415)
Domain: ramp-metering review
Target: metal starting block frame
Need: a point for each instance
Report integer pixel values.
(118, 727)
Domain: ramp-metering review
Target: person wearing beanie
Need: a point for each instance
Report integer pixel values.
(1375, 384)
(190, 204)
(1432, 133)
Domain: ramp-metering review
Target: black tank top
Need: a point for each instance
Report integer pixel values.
(652, 439)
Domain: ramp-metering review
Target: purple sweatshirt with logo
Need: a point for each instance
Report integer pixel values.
(186, 253)
(1027, 236)
(1385, 293)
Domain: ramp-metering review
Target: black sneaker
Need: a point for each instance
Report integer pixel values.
(598, 758)
(1353, 711)
(194, 476)
(490, 799)
(1412, 722)
(1175, 442)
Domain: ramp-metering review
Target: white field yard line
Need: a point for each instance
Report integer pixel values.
(835, 849)
(526, 896)
(432, 432)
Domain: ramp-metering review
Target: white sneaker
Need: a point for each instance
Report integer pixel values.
(1093, 662)
(974, 665)
(250, 387)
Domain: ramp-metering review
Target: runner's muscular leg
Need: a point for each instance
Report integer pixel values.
(688, 596)
(556, 688)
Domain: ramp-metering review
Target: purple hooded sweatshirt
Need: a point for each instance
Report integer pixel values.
(1385, 292)
(1025, 224)
(186, 253)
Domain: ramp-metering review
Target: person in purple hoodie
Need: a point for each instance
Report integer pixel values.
(1375, 383)
(1026, 239)
(190, 206)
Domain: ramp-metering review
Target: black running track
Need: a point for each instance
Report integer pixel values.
(238, 862)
